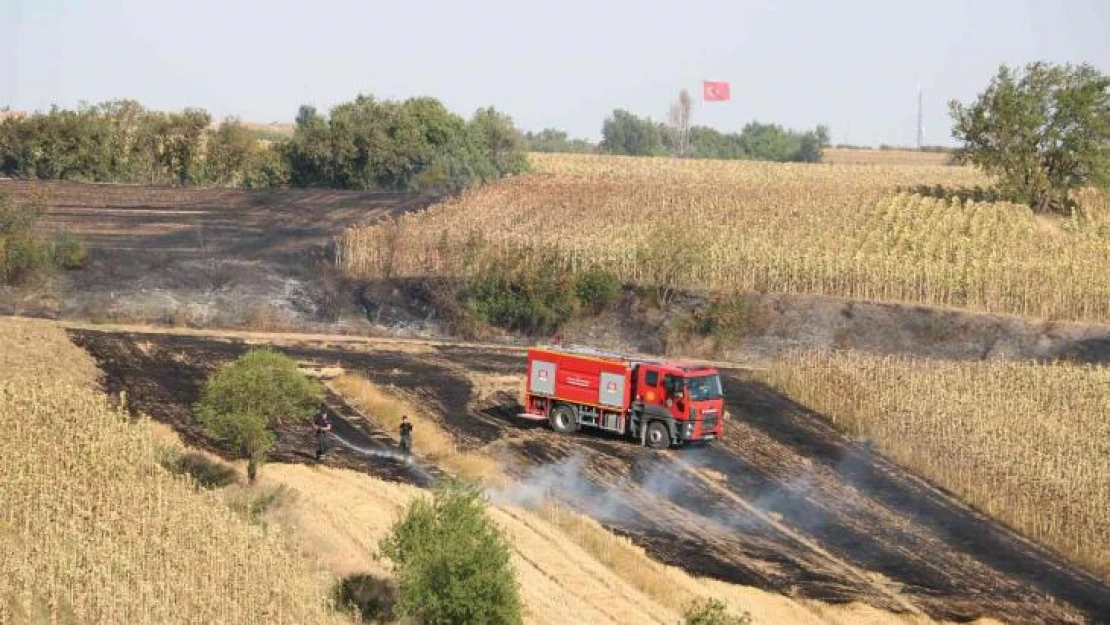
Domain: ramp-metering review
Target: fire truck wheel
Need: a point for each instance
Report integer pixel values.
(563, 419)
(657, 435)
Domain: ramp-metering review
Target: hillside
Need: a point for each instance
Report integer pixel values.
(94, 530)
(315, 526)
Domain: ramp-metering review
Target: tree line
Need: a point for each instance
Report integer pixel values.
(362, 144)
(625, 133)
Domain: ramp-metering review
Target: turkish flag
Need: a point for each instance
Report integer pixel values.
(714, 91)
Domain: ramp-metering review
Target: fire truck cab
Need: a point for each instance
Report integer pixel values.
(661, 403)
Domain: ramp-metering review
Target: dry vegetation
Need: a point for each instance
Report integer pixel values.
(1028, 444)
(428, 439)
(858, 156)
(854, 231)
(94, 530)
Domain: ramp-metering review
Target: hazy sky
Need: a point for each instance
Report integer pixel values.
(854, 65)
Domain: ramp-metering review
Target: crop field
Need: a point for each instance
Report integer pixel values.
(892, 233)
(854, 156)
(93, 530)
(784, 502)
(1025, 443)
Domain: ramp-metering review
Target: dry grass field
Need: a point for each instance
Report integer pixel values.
(93, 530)
(868, 232)
(853, 156)
(97, 531)
(1028, 444)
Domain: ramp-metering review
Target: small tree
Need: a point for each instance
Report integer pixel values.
(626, 134)
(451, 563)
(678, 124)
(713, 612)
(244, 399)
(1042, 132)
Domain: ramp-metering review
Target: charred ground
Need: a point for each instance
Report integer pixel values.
(783, 502)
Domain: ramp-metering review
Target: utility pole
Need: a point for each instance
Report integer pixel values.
(920, 126)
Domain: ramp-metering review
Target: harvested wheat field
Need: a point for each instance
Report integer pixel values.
(783, 502)
(919, 234)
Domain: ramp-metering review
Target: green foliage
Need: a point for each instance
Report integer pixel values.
(414, 144)
(714, 612)
(451, 563)
(243, 399)
(556, 141)
(521, 296)
(499, 141)
(120, 141)
(23, 253)
(268, 168)
(69, 252)
(725, 319)
(597, 289)
(627, 134)
(1041, 131)
(229, 151)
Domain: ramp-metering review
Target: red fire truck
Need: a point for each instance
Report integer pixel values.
(662, 404)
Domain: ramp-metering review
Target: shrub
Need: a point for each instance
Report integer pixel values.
(451, 563)
(536, 299)
(23, 254)
(713, 612)
(597, 289)
(206, 472)
(244, 398)
(372, 598)
(69, 252)
(726, 319)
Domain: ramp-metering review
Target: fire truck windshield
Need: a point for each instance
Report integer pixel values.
(704, 387)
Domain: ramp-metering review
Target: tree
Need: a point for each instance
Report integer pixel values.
(244, 399)
(230, 150)
(553, 140)
(678, 124)
(625, 133)
(499, 140)
(451, 563)
(1041, 131)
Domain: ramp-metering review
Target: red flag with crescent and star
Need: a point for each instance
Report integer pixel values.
(714, 91)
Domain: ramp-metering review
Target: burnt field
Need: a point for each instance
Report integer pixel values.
(782, 502)
(201, 256)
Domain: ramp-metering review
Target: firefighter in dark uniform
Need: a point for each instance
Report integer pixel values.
(323, 429)
(406, 435)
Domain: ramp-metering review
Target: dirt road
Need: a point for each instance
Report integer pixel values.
(782, 502)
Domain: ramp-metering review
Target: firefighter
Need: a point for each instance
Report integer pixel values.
(406, 435)
(323, 428)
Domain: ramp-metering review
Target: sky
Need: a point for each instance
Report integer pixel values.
(854, 65)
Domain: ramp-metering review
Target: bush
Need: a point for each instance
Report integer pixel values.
(713, 612)
(244, 398)
(536, 299)
(207, 473)
(70, 252)
(726, 319)
(22, 253)
(597, 290)
(451, 563)
(372, 598)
